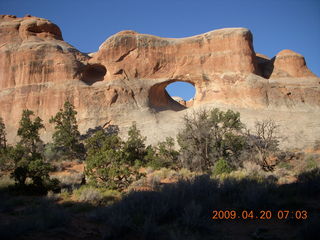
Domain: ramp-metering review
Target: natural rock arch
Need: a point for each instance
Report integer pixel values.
(159, 98)
(39, 71)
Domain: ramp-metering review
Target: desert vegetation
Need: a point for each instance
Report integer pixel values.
(122, 188)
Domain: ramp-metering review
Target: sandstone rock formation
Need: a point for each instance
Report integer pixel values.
(125, 79)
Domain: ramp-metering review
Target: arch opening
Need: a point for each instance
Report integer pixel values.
(93, 73)
(174, 95)
(181, 92)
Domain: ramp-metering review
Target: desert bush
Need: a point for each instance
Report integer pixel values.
(113, 163)
(286, 156)
(155, 179)
(151, 159)
(209, 135)
(221, 167)
(96, 196)
(306, 162)
(70, 181)
(65, 194)
(107, 165)
(263, 143)
(163, 155)
(89, 195)
(250, 171)
(311, 162)
(110, 196)
(185, 174)
(142, 182)
(165, 173)
(251, 167)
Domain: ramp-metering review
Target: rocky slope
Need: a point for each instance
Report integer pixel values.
(125, 80)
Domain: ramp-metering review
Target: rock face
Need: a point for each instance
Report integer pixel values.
(33, 52)
(288, 63)
(125, 79)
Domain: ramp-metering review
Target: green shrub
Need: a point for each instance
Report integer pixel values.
(185, 174)
(311, 163)
(163, 155)
(89, 195)
(208, 136)
(112, 163)
(151, 159)
(96, 196)
(221, 167)
(70, 181)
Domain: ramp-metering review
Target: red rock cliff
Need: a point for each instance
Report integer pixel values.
(126, 78)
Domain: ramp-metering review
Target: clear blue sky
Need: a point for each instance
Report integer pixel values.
(275, 24)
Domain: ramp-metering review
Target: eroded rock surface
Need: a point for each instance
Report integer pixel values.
(125, 79)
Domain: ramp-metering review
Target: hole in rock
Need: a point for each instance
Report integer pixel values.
(93, 73)
(181, 90)
(173, 95)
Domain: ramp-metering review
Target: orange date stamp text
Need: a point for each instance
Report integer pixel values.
(259, 215)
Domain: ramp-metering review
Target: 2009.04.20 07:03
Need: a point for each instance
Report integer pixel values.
(259, 215)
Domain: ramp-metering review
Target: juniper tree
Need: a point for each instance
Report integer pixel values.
(106, 162)
(29, 132)
(66, 137)
(27, 155)
(135, 148)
